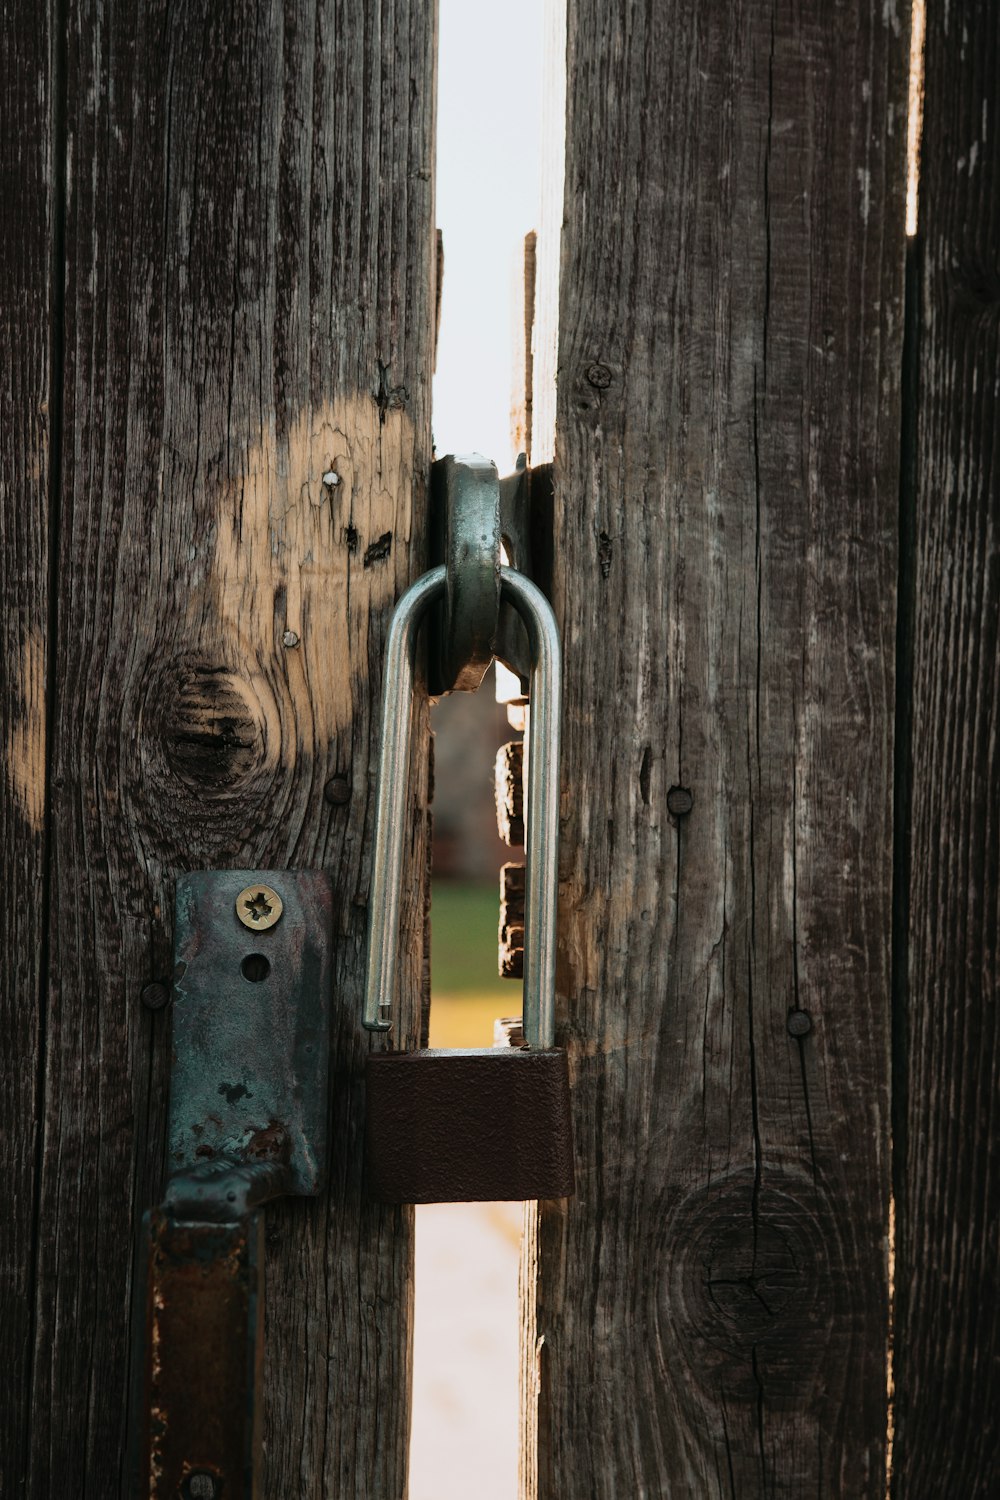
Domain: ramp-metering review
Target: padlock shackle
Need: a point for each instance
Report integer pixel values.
(390, 810)
(541, 875)
(542, 854)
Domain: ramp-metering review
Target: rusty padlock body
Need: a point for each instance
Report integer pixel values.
(470, 1126)
(448, 1126)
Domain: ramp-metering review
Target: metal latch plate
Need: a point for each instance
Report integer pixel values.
(251, 1024)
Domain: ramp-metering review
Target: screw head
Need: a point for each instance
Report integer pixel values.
(799, 1023)
(155, 995)
(259, 907)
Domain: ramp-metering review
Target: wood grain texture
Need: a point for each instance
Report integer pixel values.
(712, 1308)
(27, 236)
(249, 309)
(948, 1324)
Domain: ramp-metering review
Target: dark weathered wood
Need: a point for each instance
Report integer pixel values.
(28, 300)
(712, 1312)
(948, 1248)
(249, 334)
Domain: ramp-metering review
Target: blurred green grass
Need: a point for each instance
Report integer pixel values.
(466, 990)
(464, 920)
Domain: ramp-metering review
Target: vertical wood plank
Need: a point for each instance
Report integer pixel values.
(712, 1308)
(948, 1325)
(523, 301)
(249, 336)
(27, 225)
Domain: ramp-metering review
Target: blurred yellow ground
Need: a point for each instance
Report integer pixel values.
(457, 1022)
(465, 1358)
(467, 994)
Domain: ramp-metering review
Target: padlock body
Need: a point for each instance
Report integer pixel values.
(448, 1126)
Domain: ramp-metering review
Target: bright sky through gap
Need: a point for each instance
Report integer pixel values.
(914, 123)
(466, 1354)
(488, 167)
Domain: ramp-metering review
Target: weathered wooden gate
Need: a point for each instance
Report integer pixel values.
(777, 573)
(218, 304)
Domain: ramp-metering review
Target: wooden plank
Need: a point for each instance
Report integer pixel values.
(523, 302)
(712, 1308)
(28, 297)
(249, 338)
(948, 1322)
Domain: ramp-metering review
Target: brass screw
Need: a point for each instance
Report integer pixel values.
(259, 907)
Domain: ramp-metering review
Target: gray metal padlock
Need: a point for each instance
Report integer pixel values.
(489, 1123)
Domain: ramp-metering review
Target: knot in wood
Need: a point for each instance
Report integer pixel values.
(746, 1291)
(211, 729)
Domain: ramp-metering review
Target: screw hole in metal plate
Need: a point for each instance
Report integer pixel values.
(255, 967)
(201, 1486)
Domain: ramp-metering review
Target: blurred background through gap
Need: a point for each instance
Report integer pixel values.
(465, 1370)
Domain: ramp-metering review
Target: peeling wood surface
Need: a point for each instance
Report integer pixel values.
(948, 1249)
(712, 1307)
(26, 456)
(249, 320)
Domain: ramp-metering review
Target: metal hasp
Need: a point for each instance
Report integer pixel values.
(477, 520)
(465, 537)
(526, 532)
(247, 1123)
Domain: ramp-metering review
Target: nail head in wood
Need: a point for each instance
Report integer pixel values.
(155, 995)
(599, 376)
(679, 801)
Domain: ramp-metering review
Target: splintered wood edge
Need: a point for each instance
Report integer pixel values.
(523, 372)
(510, 954)
(509, 792)
(508, 1031)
